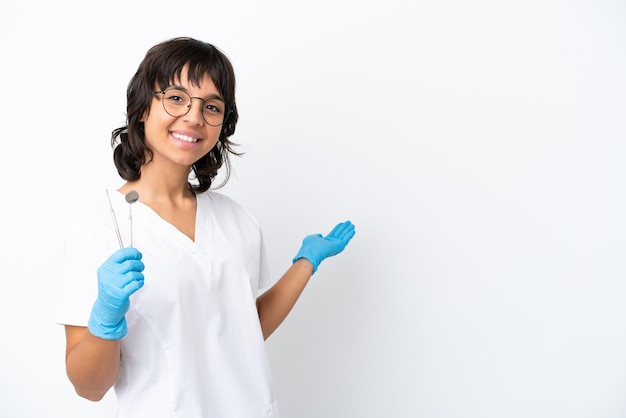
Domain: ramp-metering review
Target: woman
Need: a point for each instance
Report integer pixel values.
(176, 322)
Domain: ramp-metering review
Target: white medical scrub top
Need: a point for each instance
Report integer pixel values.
(194, 347)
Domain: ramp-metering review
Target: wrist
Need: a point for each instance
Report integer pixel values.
(305, 263)
(107, 332)
(105, 324)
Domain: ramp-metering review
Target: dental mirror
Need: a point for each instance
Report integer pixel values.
(131, 197)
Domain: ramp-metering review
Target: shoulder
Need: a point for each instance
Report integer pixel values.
(220, 200)
(226, 208)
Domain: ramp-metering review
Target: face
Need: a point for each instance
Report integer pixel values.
(182, 140)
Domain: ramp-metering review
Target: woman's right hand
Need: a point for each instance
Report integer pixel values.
(118, 278)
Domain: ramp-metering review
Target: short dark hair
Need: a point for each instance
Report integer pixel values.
(162, 65)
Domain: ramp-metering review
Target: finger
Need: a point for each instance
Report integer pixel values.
(133, 286)
(347, 234)
(123, 254)
(130, 283)
(131, 265)
(123, 269)
(334, 231)
(340, 229)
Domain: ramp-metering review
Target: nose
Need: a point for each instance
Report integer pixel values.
(194, 116)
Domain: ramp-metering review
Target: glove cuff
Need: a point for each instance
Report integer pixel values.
(107, 332)
(299, 256)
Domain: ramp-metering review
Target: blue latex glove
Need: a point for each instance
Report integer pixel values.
(118, 278)
(316, 248)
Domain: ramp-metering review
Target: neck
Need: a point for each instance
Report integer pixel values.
(161, 184)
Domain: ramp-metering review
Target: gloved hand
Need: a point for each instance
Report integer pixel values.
(118, 278)
(316, 248)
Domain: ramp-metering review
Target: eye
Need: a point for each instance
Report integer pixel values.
(215, 107)
(176, 97)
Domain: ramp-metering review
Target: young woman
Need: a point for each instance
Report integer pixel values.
(172, 308)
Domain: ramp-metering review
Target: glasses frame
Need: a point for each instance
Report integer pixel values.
(227, 110)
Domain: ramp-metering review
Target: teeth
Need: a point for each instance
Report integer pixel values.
(184, 137)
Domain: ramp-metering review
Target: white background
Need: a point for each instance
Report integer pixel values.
(478, 147)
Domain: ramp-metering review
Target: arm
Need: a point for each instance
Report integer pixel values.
(92, 363)
(275, 304)
(92, 355)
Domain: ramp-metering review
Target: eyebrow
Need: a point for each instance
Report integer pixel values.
(212, 96)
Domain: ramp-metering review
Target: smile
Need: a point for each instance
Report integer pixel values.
(184, 137)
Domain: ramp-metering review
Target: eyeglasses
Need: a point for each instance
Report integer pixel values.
(177, 103)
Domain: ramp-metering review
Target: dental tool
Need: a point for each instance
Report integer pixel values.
(131, 197)
(117, 229)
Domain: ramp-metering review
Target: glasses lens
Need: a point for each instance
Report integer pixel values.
(213, 111)
(176, 102)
